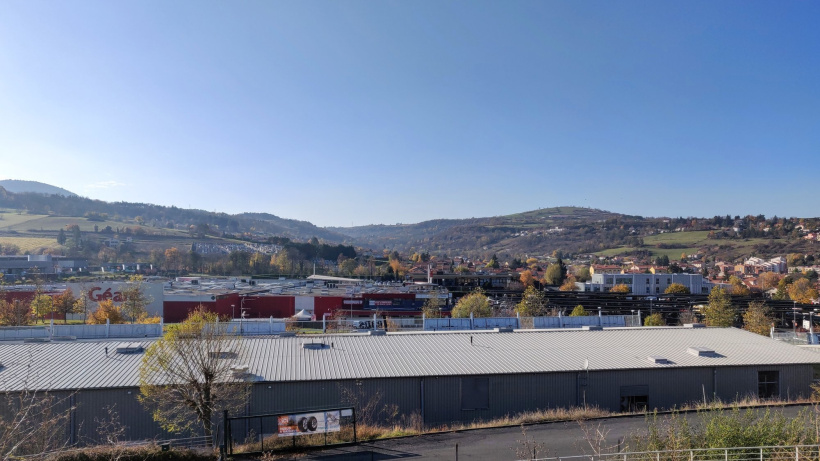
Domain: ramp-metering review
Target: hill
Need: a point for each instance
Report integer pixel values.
(570, 229)
(159, 217)
(18, 186)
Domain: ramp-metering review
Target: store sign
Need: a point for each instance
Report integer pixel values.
(309, 423)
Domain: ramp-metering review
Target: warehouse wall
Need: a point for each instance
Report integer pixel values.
(452, 399)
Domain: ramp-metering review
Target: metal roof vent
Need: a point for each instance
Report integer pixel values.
(694, 325)
(226, 354)
(315, 346)
(658, 360)
(592, 328)
(377, 332)
(699, 351)
(241, 369)
(129, 348)
(503, 330)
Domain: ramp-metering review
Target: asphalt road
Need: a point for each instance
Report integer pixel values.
(556, 439)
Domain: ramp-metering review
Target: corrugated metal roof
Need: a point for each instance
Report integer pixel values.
(79, 365)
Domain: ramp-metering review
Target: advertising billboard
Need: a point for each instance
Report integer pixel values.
(309, 423)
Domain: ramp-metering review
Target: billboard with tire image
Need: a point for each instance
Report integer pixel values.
(309, 423)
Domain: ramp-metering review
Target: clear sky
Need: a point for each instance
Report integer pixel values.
(348, 112)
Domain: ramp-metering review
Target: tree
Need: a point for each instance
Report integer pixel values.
(106, 310)
(677, 289)
(81, 304)
(802, 291)
(582, 274)
(15, 313)
(186, 377)
(738, 287)
(475, 303)
(526, 278)
(579, 311)
(432, 307)
(569, 284)
(134, 300)
(61, 238)
(172, 259)
(621, 288)
(398, 269)
(719, 311)
(758, 318)
(64, 304)
(42, 305)
(532, 303)
(493, 263)
(654, 320)
(768, 280)
(554, 274)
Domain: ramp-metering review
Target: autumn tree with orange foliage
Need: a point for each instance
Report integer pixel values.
(526, 278)
(65, 304)
(621, 288)
(106, 310)
(569, 284)
(802, 291)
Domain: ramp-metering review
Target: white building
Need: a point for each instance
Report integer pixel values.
(647, 284)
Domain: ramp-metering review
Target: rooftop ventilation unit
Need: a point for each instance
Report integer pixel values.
(592, 328)
(694, 325)
(658, 360)
(314, 346)
(377, 332)
(503, 330)
(226, 354)
(699, 351)
(129, 348)
(240, 369)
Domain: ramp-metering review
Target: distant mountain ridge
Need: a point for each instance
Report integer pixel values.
(162, 216)
(20, 186)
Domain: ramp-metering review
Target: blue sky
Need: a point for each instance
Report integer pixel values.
(345, 112)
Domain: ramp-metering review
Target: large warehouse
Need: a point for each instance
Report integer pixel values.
(444, 377)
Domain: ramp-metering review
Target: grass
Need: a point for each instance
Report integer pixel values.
(27, 244)
(693, 241)
(10, 219)
(411, 426)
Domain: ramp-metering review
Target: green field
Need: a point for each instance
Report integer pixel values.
(694, 241)
(10, 219)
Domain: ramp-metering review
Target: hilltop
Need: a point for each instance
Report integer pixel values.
(18, 186)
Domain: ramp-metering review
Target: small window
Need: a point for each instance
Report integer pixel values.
(768, 384)
(657, 289)
(475, 393)
(668, 281)
(647, 290)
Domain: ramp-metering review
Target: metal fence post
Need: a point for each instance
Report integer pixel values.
(796, 453)
(354, 425)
